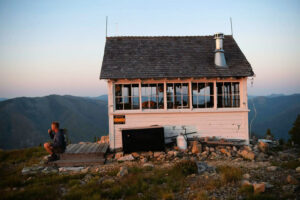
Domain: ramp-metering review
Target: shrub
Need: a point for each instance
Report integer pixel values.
(230, 174)
(187, 167)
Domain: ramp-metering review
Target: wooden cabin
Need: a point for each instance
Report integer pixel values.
(185, 84)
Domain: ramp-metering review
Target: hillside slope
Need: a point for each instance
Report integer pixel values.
(24, 121)
(276, 113)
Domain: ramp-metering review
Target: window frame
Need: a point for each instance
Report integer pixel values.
(159, 95)
(211, 94)
(131, 96)
(231, 98)
(174, 95)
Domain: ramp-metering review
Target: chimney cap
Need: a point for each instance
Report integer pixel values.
(219, 35)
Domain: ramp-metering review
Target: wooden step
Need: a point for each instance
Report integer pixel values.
(77, 163)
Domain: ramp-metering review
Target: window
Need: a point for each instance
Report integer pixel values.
(127, 96)
(203, 95)
(153, 96)
(228, 94)
(177, 95)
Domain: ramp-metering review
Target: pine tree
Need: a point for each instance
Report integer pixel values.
(269, 135)
(295, 131)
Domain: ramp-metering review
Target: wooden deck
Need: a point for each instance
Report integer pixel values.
(84, 154)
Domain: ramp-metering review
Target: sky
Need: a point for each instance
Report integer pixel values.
(56, 46)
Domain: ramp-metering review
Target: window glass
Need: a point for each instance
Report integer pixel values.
(126, 96)
(203, 95)
(177, 95)
(228, 94)
(153, 96)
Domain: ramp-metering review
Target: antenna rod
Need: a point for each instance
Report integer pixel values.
(231, 26)
(106, 27)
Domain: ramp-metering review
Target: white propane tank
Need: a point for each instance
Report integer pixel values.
(181, 142)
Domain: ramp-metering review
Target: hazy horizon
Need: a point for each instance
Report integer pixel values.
(56, 47)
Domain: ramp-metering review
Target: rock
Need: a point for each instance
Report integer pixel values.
(272, 168)
(291, 180)
(263, 147)
(126, 158)
(224, 151)
(248, 148)
(123, 171)
(249, 155)
(87, 178)
(203, 167)
(70, 169)
(148, 165)
(144, 160)
(259, 187)
(268, 185)
(135, 155)
(298, 169)
(211, 149)
(246, 183)
(48, 170)
(261, 157)
(246, 176)
(85, 170)
(104, 139)
(196, 147)
(118, 155)
(32, 170)
(170, 153)
(158, 154)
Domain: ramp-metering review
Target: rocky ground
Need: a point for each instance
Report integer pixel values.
(200, 172)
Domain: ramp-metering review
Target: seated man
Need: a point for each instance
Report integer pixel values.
(58, 145)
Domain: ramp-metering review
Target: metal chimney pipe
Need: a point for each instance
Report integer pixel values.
(219, 52)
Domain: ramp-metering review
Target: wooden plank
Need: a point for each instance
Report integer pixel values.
(70, 147)
(93, 150)
(104, 149)
(84, 148)
(79, 149)
(90, 150)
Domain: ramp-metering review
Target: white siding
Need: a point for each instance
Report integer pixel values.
(219, 122)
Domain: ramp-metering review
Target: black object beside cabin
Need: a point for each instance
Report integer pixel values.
(143, 139)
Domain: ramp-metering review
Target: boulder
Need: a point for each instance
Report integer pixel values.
(196, 147)
(158, 154)
(126, 158)
(291, 180)
(234, 148)
(123, 171)
(148, 165)
(171, 153)
(259, 187)
(135, 154)
(70, 169)
(104, 139)
(144, 160)
(246, 176)
(249, 155)
(272, 168)
(118, 155)
(224, 151)
(263, 147)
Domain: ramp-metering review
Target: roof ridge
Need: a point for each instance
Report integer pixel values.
(162, 36)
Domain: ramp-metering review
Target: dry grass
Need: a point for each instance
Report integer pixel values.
(230, 174)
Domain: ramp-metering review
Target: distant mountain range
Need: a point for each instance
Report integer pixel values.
(24, 121)
(277, 112)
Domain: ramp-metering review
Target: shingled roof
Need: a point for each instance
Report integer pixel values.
(171, 57)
